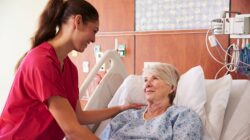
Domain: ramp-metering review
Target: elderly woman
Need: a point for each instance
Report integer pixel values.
(160, 119)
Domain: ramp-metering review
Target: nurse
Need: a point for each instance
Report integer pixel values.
(43, 103)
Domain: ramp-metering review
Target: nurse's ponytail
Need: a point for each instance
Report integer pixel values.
(49, 21)
(55, 14)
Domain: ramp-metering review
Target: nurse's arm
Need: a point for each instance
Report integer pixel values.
(96, 116)
(66, 118)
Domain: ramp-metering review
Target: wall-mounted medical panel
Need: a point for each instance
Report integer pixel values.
(241, 6)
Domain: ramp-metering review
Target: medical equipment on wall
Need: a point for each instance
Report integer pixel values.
(237, 55)
(120, 48)
(98, 54)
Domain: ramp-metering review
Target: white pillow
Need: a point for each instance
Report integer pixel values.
(218, 92)
(209, 99)
(191, 91)
(130, 91)
(237, 116)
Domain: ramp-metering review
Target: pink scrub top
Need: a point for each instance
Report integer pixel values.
(25, 115)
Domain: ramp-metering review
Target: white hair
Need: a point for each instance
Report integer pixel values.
(164, 71)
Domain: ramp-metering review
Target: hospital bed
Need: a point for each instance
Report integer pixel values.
(233, 114)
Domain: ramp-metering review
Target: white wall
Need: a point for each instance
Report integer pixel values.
(18, 20)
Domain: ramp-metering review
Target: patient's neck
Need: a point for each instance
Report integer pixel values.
(155, 109)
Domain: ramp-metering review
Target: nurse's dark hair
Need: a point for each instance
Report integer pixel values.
(55, 14)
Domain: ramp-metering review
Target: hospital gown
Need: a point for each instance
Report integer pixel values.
(177, 123)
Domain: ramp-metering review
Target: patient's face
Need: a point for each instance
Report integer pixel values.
(156, 89)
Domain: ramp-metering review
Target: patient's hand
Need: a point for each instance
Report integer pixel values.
(131, 106)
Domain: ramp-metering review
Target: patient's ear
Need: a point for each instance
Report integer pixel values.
(173, 89)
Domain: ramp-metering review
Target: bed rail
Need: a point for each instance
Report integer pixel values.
(105, 90)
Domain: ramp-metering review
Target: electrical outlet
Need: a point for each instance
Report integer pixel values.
(85, 66)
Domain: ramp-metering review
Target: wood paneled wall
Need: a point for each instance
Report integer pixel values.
(242, 6)
(115, 15)
(184, 49)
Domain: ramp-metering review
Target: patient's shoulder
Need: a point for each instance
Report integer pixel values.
(181, 110)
